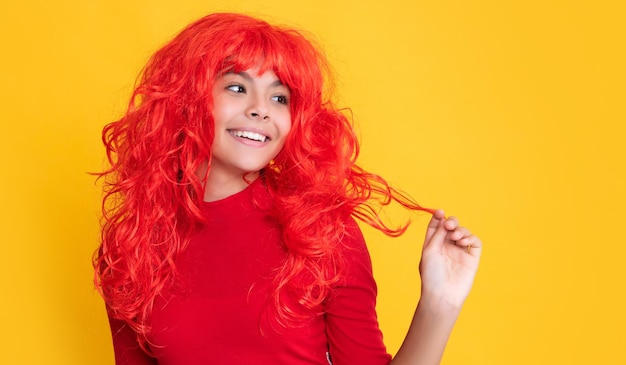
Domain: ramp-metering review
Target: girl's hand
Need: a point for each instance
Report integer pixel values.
(449, 261)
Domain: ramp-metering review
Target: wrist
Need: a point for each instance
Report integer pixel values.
(439, 305)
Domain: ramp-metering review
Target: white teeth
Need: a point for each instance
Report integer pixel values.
(250, 135)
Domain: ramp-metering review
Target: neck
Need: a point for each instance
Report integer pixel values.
(220, 186)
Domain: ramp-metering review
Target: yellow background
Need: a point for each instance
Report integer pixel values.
(507, 114)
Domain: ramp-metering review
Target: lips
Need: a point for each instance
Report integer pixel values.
(253, 136)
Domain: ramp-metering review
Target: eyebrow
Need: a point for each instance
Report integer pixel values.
(249, 78)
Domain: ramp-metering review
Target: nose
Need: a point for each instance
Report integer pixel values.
(258, 108)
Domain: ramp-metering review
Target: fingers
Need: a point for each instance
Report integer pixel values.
(447, 230)
(436, 235)
(451, 223)
(438, 215)
(472, 244)
(458, 234)
(435, 221)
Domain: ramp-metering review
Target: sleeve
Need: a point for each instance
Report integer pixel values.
(126, 347)
(352, 327)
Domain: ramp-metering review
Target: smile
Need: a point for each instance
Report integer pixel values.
(253, 136)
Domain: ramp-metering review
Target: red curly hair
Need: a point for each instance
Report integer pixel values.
(152, 191)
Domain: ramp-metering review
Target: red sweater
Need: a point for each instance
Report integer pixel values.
(217, 313)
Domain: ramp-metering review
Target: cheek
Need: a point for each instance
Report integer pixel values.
(221, 115)
(286, 123)
(287, 128)
(221, 108)
(284, 127)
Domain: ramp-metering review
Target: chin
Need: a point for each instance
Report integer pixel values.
(253, 169)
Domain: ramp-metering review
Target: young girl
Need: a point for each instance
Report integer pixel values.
(229, 235)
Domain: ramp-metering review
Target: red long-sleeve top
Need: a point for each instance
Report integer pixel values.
(217, 313)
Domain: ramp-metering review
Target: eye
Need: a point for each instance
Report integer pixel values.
(282, 99)
(237, 88)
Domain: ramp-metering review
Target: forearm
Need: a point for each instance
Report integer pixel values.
(428, 335)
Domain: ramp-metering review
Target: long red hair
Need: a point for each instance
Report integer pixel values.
(152, 191)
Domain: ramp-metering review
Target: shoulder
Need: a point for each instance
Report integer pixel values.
(352, 240)
(354, 264)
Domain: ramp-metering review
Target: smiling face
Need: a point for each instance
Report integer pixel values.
(252, 120)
